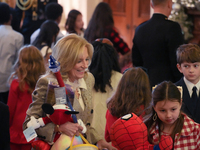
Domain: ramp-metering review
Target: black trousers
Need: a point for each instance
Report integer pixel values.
(4, 97)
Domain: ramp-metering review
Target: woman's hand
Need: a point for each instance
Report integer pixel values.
(70, 128)
(105, 145)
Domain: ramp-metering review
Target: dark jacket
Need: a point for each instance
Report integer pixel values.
(188, 106)
(154, 47)
(30, 25)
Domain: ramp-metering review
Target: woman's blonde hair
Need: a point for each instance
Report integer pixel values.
(67, 51)
(28, 67)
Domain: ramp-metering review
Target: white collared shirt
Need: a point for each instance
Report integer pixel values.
(10, 44)
(190, 85)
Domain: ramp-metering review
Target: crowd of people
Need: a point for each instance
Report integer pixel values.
(161, 89)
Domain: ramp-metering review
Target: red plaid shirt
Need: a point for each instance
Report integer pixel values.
(190, 135)
(118, 43)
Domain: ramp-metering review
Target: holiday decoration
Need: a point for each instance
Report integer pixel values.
(188, 3)
(179, 14)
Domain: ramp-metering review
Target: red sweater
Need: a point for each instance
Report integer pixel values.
(110, 119)
(18, 103)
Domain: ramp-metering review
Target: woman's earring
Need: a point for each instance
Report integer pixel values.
(154, 117)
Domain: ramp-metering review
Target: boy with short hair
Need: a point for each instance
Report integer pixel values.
(188, 63)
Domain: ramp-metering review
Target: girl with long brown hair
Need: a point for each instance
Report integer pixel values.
(166, 118)
(133, 95)
(27, 70)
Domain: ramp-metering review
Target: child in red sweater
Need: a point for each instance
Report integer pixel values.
(133, 95)
(28, 68)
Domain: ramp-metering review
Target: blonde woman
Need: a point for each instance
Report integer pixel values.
(74, 54)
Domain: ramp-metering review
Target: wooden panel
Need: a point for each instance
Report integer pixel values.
(141, 12)
(123, 20)
(127, 15)
(144, 8)
(117, 6)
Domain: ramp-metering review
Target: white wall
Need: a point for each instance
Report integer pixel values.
(86, 7)
(151, 9)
